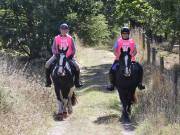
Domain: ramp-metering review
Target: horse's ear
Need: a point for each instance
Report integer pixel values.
(129, 50)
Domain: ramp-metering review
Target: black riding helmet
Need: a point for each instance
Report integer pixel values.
(125, 30)
(64, 26)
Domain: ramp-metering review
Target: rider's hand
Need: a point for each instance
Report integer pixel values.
(134, 52)
(70, 57)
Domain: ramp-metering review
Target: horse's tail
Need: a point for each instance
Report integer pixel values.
(74, 99)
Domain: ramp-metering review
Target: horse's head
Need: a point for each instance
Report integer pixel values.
(62, 62)
(125, 61)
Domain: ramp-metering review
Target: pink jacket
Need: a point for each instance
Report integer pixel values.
(64, 41)
(124, 44)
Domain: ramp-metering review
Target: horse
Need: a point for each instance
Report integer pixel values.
(63, 80)
(127, 79)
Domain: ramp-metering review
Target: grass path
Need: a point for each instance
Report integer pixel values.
(98, 111)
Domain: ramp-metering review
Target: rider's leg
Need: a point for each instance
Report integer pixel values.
(140, 85)
(112, 80)
(48, 71)
(76, 73)
(112, 76)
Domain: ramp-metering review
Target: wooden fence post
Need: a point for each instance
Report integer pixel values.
(148, 51)
(143, 40)
(161, 63)
(176, 74)
(153, 56)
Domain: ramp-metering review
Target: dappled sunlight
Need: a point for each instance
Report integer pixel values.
(96, 75)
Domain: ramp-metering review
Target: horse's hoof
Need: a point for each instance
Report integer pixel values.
(65, 115)
(127, 120)
(59, 117)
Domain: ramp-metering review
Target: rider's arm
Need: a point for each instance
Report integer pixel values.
(115, 47)
(53, 48)
(73, 47)
(134, 51)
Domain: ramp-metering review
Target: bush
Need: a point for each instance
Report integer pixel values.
(95, 30)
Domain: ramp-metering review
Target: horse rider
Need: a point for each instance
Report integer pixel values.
(63, 40)
(124, 42)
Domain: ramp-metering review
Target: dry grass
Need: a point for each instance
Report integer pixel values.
(157, 111)
(157, 125)
(25, 106)
(160, 97)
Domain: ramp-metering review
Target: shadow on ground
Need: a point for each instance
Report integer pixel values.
(95, 76)
(115, 119)
(112, 118)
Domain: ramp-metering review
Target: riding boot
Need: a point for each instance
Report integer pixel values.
(48, 79)
(77, 82)
(112, 82)
(140, 85)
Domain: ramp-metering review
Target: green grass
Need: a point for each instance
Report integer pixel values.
(96, 113)
(97, 100)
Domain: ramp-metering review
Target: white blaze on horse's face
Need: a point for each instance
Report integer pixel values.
(126, 64)
(61, 70)
(127, 70)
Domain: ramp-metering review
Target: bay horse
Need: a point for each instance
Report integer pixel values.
(63, 80)
(126, 82)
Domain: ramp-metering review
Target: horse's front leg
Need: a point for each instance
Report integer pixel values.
(60, 107)
(59, 103)
(132, 99)
(65, 93)
(125, 115)
(129, 109)
(65, 102)
(70, 109)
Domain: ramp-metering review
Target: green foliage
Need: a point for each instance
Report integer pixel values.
(137, 10)
(168, 21)
(33, 23)
(95, 30)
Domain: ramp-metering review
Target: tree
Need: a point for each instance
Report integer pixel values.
(95, 30)
(168, 19)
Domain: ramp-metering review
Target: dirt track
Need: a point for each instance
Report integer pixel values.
(91, 116)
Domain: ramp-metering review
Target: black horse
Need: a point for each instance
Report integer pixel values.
(63, 79)
(127, 79)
